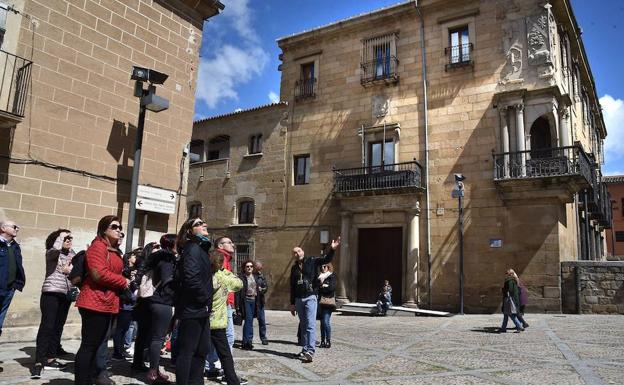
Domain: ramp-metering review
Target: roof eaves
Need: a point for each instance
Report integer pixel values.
(282, 103)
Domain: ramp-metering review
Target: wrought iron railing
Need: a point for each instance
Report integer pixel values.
(383, 68)
(305, 88)
(458, 56)
(14, 83)
(389, 176)
(599, 204)
(543, 163)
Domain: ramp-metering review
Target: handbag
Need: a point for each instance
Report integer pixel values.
(329, 302)
(237, 319)
(509, 306)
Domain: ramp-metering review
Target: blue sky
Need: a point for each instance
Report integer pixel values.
(238, 67)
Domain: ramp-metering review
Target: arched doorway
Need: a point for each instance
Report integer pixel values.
(541, 139)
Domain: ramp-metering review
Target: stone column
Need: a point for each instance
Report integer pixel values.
(505, 140)
(344, 258)
(410, 283)
(564, 129)
(520, 138)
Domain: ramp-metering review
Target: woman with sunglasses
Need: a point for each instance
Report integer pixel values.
(99, 297)
(194, 301)
(248, 301)
(54, 302)
(327, 289)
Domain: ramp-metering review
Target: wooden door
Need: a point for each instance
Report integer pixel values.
(380, 256)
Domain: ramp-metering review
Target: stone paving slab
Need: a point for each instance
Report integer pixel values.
(555, 349)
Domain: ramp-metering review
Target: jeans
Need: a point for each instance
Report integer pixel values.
(54, 308)
(250, 309)
(130, 334)
(326, 323)
(5, 300)
(306, 308)
(220, 345)
(261, 322)
(229, 331)
(161, 318)
(514, 318)
(194, 341)
(124, 319)
(94, 331)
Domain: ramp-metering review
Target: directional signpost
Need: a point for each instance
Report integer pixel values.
(155, 200)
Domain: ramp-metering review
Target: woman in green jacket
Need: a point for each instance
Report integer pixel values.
(223, 282)
(511, 301)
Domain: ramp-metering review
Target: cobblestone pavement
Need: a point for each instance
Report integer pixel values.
(555, 349)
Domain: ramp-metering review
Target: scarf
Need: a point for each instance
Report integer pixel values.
(324, 276)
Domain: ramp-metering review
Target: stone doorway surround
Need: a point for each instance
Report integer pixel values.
(393, 210)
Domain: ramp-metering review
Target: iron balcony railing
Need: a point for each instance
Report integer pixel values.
(14, 83)
(543, 163)
(458, 56)
(370, 178)
(383, 68)
(305, 88)
(599, 204)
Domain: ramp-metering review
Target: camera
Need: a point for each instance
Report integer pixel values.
(148, 75)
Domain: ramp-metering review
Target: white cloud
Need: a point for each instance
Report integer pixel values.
(613, 113)
(273, 97)
(227, 65)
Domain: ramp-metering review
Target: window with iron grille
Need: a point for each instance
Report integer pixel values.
(302, 169)
(459, 52)
(305, 87)
(255, 144)
(246, 210)
(244, 252)
(379, 58)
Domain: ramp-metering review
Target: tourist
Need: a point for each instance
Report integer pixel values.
(511, 301)
(263, 287)
(327, 302)
(127, 302)
(249, 301)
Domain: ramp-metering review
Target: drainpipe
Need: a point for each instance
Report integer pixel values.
(426, 119)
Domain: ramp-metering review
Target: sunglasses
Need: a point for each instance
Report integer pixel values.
(198, 223)
(115, 227)
(324, 267)
(249, 267)
(68, 238)
(15, 227)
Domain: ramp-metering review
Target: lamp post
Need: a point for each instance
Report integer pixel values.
(148, 100)
(458, 193)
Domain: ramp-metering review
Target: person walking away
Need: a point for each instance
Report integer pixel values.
(12, 275)
(511, 302)
(223, 283)
(162, 264)
(263, 287)
(127, 300)
(524, 299)
(194, 301)
(327, 301)
(303, 294)
(54, 302)
(99, 298)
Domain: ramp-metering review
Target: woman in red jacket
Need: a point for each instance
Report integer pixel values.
(99, 295)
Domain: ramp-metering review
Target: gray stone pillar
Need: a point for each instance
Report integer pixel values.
(344, 259)
(410, 284)
(564, 128)
(520, 138)
(504, 113)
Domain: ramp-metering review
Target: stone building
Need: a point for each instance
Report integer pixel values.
(360, 147)
(615, 236)
(68, 116)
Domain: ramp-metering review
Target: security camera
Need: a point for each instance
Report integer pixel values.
(148, 75)
(459, 177)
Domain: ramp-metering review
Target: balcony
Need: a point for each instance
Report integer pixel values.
(552, 172)
(458, 56)
(14, 86)
(381, 70)
(599, 204)
(305, 89)
(375, 180)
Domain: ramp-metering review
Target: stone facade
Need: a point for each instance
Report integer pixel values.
(499, 82)
(592, 287)
(615, 236)
(69, 161)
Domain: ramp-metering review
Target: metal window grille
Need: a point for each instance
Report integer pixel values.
(244, 251)
(379, 58)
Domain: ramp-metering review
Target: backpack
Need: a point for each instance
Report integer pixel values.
(146, 287)
(79, 270)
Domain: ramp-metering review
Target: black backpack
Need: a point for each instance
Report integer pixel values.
(79, 270)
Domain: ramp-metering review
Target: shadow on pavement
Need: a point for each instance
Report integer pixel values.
(59, 381)
(276, 353)
(487, 329)
(284, 342)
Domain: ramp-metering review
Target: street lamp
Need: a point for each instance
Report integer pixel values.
(148, 100)
(458, 193)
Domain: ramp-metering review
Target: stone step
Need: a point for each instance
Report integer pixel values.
(397, 311)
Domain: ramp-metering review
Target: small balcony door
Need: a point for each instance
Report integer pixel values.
(380, 154)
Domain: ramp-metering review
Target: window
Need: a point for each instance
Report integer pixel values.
(195, 210)
(244, 252)
(197, 151)
(302, 169)
(255, 144)
(3, 17)
(219, 148)
(379, 59)
(459, 50)
(377, 157)
(305, 87)
(246, 212)
(619, 236)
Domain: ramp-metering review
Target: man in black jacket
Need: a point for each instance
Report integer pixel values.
(303, 294)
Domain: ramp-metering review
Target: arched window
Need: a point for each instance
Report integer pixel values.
(219, 147)
(246, 209)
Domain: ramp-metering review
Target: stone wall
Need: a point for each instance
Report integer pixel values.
(590, 287)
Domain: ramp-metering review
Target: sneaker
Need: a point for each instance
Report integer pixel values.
(62, 352)
(54, 365)
(307, 357)
(214, 374)
(36, 371)
(241, 380)
(265, 342)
